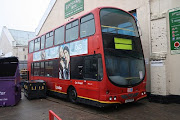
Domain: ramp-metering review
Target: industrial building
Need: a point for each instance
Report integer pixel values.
(159, 29)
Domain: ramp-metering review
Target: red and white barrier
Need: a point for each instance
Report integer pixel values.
(53, 116)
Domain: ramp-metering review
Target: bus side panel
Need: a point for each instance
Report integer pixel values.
(30, 60)
(87, 89)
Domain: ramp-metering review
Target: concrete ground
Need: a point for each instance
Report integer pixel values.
(38, 110)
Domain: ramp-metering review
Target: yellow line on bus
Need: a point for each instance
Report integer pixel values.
(98, 100)
(88, 98)
(57, 91)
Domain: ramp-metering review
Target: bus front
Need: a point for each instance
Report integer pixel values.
(124, 59)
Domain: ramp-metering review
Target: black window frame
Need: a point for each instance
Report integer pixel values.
(45, 68)
(85, 21)
(90, 72)
(35, 64)
(78, 67)
(55, 72)
(42, 70)
(32, 69)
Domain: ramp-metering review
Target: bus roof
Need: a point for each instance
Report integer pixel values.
(95, 9)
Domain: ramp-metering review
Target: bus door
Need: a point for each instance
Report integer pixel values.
(88, 69)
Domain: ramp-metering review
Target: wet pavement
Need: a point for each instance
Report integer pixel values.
(38, 110)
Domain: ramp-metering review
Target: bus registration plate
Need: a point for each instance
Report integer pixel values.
(129, 100)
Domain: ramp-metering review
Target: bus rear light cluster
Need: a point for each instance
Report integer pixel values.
(112, 98)
(143, 93)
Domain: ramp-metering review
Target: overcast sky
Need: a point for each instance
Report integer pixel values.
(22, 14)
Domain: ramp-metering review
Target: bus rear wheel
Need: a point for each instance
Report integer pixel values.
(72, 95)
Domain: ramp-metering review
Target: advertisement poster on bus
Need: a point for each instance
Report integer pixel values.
(37, 56)
(63, 52)
(78, 47)
(64, 62)
(52, 53)
(75, 48)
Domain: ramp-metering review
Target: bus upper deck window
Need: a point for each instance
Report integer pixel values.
(31, 46)
(42, 41)
(49, 39)
(37, 44)
(72, 31)
(59, 36)
(118, 22)
(87, 26)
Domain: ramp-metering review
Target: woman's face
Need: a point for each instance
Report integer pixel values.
(61, 53)
(66, 55)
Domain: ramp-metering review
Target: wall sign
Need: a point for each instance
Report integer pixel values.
(73, 7)
(174, 23)
(157, 63)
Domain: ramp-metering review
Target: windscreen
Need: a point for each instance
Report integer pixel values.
(122, 47)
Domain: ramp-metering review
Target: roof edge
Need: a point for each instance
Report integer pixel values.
(8, 35)
(46, 14)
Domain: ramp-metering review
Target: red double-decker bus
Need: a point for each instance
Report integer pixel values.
(95, 59)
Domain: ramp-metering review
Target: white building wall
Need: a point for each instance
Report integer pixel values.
(165, 75)
(143, 16)
(21, 52)
(56, 16)
(5, 43)
(9, 47)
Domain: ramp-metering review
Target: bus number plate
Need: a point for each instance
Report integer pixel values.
(129, 100)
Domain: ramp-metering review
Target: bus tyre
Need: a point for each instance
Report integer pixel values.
(72, 95)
